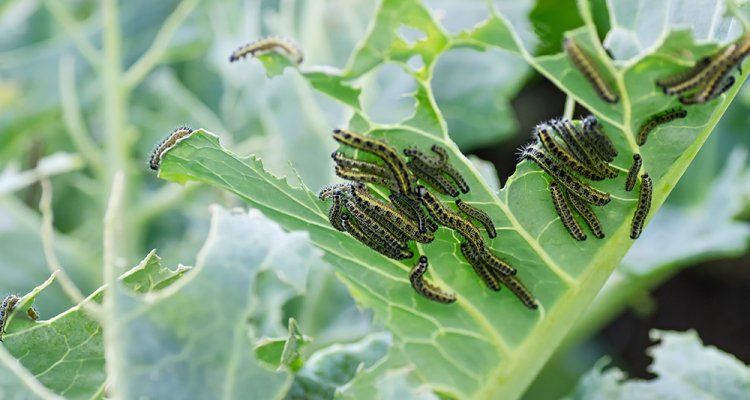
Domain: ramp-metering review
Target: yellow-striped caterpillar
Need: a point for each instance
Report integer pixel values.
(9, 303)
(266, 45)
(364, 177)
(369, 225)
(434, 162)
(491, 280)
(432, 177)
(710, 92)
(633, 172)
(389, 218)
(715, 65)
(370, 241)
(175, 137)
(381, 149)
(517, 287)
(643, 207)
(602, 144)
(478, 215)
(590, 154)
(584, 209)
(658, 119)
(479, 267)
(562, 155)
(699, 66)
(410, 206)
(566, 215)
(430, 170)
(446, 217)
(368, 167)
(586, 66)
(328, 191)
(426, 289)
(334, 214)
(551, 167)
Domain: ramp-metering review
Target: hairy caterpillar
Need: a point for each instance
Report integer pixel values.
(367, 167)
(389, 218)
(432, 177)
(264, 46)
(716, 64)
(9, 303)
(365, 177)
(602, 144)
(369, 224)
(713, 92)
(175, 137)
(566, 215)
(562, 155)
(335, 213)
(551, 167)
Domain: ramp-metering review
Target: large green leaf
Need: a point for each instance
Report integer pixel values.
(486, 344)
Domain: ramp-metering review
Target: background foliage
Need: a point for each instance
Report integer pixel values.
(87, 88)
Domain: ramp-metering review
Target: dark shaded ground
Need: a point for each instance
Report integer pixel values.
(711, 298)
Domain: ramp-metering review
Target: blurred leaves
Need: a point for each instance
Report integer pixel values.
(678, 372)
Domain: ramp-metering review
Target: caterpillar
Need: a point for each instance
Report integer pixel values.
(378, 231)
(432, 177)
(407, 206)
(9, 303)
(328, 191)
(584, 209)
(643, 207)
(633, 172)
(588, 148)
(566, 134)
(658, 119)
(492, 281)
(365, 177)
(559, 153)
(388, 217)
(368, 167)
(424, 288)
(716, 64)
(715, 91)
(566, 215)
(517, 287)
(334, 214)
(432, 162)
(175, 137)
(470, 232)
(551, 167)
(264, 46)
(478, 215)
(586, 66)
(602, 144)
(381, 149)
(438, 165)
(369, 241)
(479, 267)
(33, 313)
(699, 66)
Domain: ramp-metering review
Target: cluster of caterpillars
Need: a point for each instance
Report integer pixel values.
(7, 307)
(570, 151)
(412, 212)
(709, 78)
